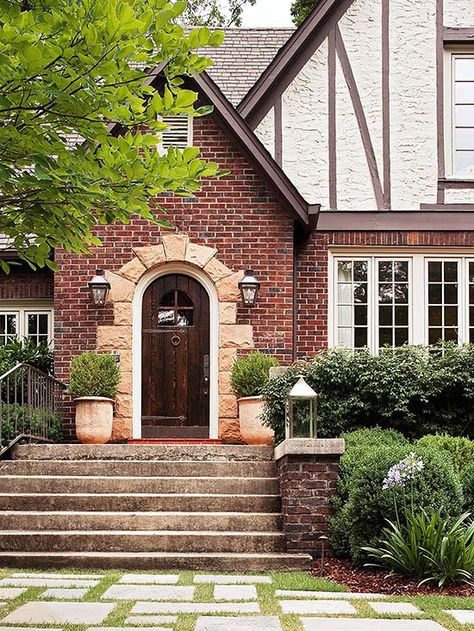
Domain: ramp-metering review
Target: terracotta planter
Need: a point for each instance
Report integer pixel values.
(251, 428)
(94, 418)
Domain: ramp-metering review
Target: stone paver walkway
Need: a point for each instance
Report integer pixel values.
(156, 602)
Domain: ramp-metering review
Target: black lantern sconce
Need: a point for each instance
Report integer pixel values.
(99, 287)
(249, 288)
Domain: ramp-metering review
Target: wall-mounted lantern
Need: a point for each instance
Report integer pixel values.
(301, 411)
(99, 287)
(249, 287)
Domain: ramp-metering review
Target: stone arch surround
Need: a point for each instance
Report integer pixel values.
(117, 338)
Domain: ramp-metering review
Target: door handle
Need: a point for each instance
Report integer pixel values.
(206, 375)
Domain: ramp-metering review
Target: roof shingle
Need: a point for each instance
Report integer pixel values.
(244, 55)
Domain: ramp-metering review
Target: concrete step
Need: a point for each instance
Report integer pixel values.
(116, 484)
(257, 469)
(124, 502)
(223, 453)
(67, 520)
(213, 562)
(140, 541)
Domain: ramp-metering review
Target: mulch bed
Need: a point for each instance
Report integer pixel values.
(366, 580)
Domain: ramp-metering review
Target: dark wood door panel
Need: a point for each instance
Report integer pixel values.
(175, 358)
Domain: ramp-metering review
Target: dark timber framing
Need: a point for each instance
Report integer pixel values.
(453, 35)
(278, 114)
(290, 59)
(361, 119)
(332, 130)
(387, 167)
(406, 220)
(440, 95)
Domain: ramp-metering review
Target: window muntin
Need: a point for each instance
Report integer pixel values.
(176, 308)
(416, 299)
(352, 282)
(471, 300)
(462, 114)
(22, 322)
(393, 295)
(8, 327)
(443, 301)
(37, 326)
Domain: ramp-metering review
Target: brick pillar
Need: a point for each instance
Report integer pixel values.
(308, 470)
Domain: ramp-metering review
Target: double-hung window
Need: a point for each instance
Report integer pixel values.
(20, 322)
(392, 300)
(460, 114)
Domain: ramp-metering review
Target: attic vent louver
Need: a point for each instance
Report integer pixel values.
(178, 133)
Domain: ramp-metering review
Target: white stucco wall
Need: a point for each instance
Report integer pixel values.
(413, 134)
(266, 131)
(305, 129)
(413, 103)
(459, 13)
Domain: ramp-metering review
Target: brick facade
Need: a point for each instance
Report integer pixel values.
(238, 215)
(307, 485)
(24, 284)
(312, 274)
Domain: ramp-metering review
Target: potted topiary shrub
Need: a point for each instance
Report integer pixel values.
(249, 376)
(93, 384)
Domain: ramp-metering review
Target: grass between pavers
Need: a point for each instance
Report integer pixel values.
(431, 606)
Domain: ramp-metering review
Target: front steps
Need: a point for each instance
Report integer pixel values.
(197, 507)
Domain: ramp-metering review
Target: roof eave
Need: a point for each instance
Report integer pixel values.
(290, 59)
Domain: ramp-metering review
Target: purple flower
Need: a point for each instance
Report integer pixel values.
(404, 471)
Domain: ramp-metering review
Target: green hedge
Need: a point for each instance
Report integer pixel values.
(409, 389)
(363, 505)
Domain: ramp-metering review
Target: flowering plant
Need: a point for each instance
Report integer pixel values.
(404, 471)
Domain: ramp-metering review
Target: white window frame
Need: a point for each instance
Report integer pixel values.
(22, 310)
(418, 290)
(450, 56)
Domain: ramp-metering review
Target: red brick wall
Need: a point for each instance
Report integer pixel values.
(312, 274)
(24, 284)
(239, 215)
(307, 486)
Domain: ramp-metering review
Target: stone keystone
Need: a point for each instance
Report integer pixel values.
(151, 256)
(133, 270)
(121, 289)
(199, 255)
(175, 247)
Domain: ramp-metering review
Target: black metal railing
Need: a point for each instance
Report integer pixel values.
(30, 406)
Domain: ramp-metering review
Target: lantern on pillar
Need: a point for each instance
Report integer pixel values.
(301, 411)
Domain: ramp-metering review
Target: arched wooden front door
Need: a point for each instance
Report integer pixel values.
(175, 359)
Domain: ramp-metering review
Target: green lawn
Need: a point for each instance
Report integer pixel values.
(432, 606)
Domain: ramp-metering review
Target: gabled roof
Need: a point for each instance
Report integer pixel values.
(243, 56)
(290, 59)
(238, 129)
(231, 120)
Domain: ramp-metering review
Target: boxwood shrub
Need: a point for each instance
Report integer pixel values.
(411, 389)
(363, 505)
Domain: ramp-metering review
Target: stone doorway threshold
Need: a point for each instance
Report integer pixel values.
(174, 441)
